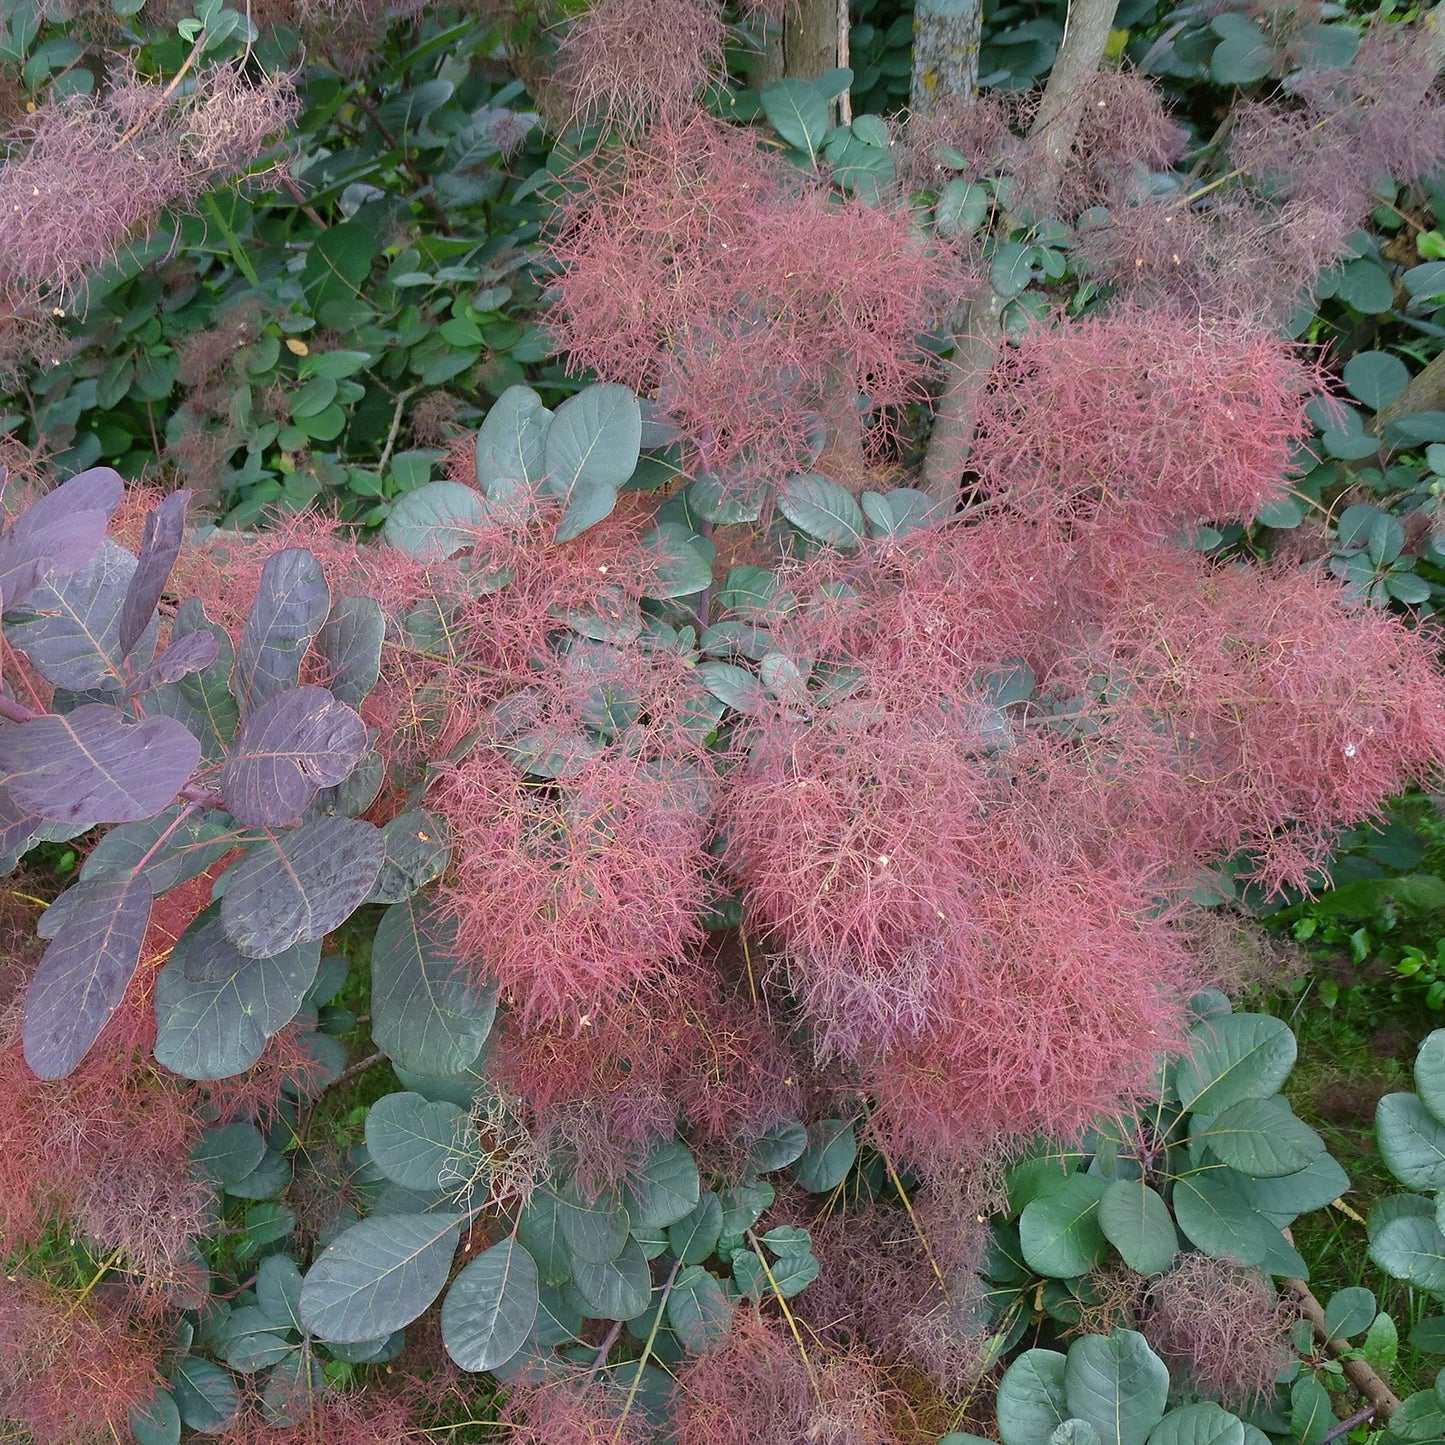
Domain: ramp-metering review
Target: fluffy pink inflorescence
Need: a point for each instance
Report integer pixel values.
(1061, 1012)
(72, 1370)
(88, 172)
(1222, 1329)
(696, 268)
(1251, 709)
(1379, 119)
(757, 1389)
(1146, 422)
(628, 62)
(599, 1094)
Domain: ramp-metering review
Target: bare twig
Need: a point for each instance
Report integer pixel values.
(359, 1067)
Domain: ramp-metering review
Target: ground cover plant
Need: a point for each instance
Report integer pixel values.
(653, 847)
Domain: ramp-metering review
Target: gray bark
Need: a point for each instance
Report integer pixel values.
(977, 335)
(810, 39)
(945, 54)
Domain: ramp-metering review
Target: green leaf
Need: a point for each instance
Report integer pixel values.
(1135, 1220)
(1059, 1233)
(1290, 1195)
(822, 509)
(251, 1341)
(1381, 1345)
(1030, 1404)
(1231, 1057)
(779, 1147)
(1348, 1312)
(824, 1164)
(799, 114)
(229, 1153)
(1420, 1419)
(411, 1140)
(1262, 1138)
(378, 1275)
(539, 1228)
(617, 1290)
(783, 1277)
(1375, 378)
(1367, 287)
(158, 1422)
(698, 1310)
(962, 207)
(1075, 1432)
(205, 1395)
(1412, 1141)
(511, 444)
(1118, 1384)
(1311, 1416)
(592, 441)
(416, 853)
(215, 1008)
(1218, 1219)
(595, 1230)
(694, 1237)
(491, 1307)
(351, 643)
(1412, 1248)
(436, 520)
(678, 564)
(1203, 1424)
(1012, 268)
(665, 1189)
(1430, 1074)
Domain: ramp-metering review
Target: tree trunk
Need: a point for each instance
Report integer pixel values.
(810, 39)
(977, 335)
(945, 54)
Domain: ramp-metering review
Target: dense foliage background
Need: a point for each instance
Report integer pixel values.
(717, 728)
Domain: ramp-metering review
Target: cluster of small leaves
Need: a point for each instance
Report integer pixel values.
(202, 347)
(1406, 1240)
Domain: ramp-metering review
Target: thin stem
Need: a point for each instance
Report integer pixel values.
(646, 1351)
(605, 1349)
(845, 101)
(165, 95)
(359, 1067)
(391, 436)
(1345, 1426)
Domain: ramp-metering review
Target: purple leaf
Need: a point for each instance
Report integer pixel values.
(91, 766)
(298, 887)
(165, 530)
(194, 652)
(351, 644)
(290, 609)
(73, 637)
(58, 534)
(17, 827)
(286, 750)
(85, 972)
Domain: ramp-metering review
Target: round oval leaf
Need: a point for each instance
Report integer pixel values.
(1136, 1221)
(1118, 1384)
(378, 1275)
(491, 1307)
